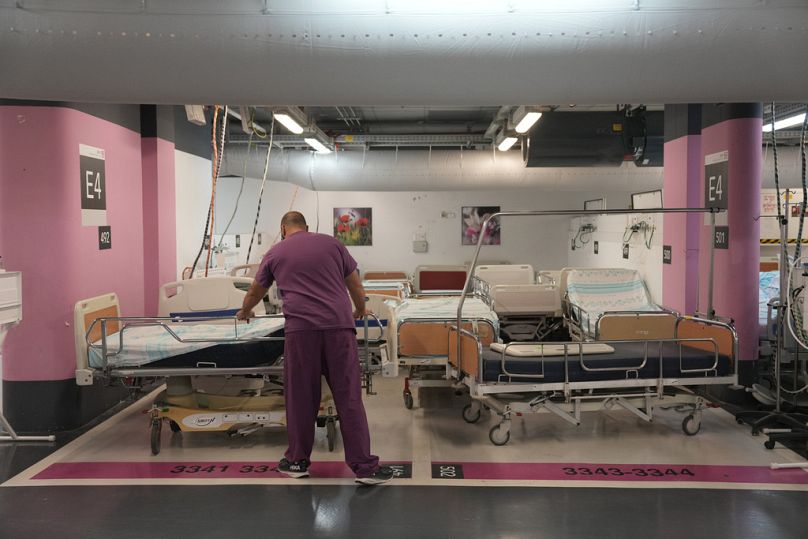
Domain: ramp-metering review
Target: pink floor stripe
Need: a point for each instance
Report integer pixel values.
(183, 470)
(562, 471)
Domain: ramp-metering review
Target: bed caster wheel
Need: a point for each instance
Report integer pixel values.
(739, 421)
(499, 436)
(174, 426)
(470, 414)
(408, 400)
(331, 433)
(690, 425)
(769, 444)
(156, 430)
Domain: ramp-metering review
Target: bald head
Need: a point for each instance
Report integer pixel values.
(293, 219)
(292, 222)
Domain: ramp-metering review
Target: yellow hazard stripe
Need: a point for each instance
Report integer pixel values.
(773, 241)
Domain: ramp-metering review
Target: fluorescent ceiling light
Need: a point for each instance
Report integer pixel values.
(506, 144)
(317, 145)
(527, 122)
(791, 121)
(289, 123)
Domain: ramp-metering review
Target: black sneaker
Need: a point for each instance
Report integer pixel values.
(297, 469)
(382, 475)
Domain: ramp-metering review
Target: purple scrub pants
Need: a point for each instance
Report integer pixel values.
(333, 354)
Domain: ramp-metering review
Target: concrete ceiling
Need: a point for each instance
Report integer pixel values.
(404, 52)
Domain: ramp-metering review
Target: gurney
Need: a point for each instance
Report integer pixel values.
(568, 378)
(220, 374)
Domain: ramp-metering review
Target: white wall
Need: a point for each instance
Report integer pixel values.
(609, 235)
(397, 216)
(192, 176)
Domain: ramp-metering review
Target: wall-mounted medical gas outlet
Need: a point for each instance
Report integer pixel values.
(420, 246)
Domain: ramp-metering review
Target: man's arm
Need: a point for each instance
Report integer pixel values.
(357, 292)
(254, 296)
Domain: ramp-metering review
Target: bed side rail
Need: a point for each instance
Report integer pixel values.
(110, 331)
(471, 351)
(427, 337)
(722, 333)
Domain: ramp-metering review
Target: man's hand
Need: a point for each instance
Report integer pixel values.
(357, 314)
(245, 315)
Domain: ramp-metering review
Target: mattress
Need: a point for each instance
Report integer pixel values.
(608, 290)
(625, 356)
(768, 288)
(443, 308)
(549, 350)
(143, 345)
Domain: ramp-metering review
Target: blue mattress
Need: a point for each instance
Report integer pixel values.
(625, 356)
(232, 355)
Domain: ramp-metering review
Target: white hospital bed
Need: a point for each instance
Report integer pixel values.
(221, 375)
(418, 338)
(527, 310)
(612, 303)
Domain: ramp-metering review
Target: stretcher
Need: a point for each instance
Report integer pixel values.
(569, 378)
(220, 374)
(418, 338)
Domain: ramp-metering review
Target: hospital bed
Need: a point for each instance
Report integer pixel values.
(527, 310)
(220, 374)
(569, 378)
(439, 279)
(385, 276)
(418, 338)
(611, 303)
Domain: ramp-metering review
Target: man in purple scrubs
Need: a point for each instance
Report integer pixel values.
(313, 272)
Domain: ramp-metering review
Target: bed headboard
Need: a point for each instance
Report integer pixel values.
(385, 276)
(211, 296)
(244, 270)
(506, 274)
(440, 278)
(84, 312)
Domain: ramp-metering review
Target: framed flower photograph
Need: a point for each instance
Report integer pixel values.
(354, 226)
(472, 222)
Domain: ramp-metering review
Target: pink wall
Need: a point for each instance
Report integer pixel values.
(736, 268)
(681, 188)
(159, 219)
(42, 236)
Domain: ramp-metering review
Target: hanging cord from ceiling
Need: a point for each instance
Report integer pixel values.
(291, 206)
(218, 167)
(795, 308)
(263, 184)
(214, 144)
(241, 188)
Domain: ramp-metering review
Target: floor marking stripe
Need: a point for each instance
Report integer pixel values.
(579, 471)
(204, 470)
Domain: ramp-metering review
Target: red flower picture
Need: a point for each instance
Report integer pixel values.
(354, 226)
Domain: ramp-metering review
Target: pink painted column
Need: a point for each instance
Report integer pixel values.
(682, 188)
(735, 129)
(159, 203)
